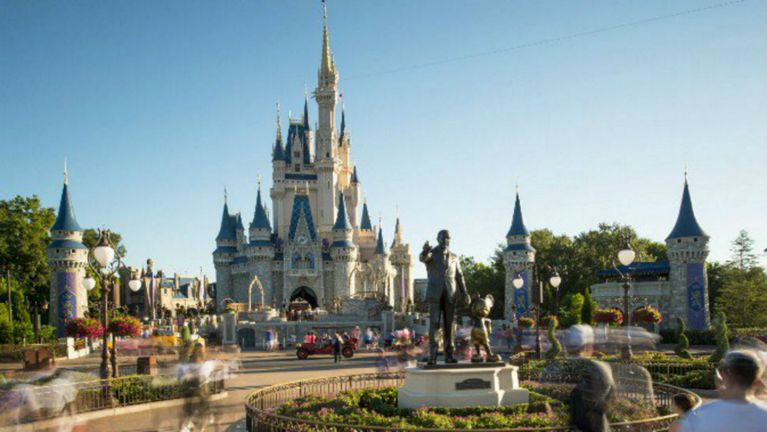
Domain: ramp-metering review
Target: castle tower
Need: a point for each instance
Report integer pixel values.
(518, 259)
(687, 251)
(223, 255)
(326, 161)
(354, 196)
(67, 259)
(365, 237)
(260, 251)
(343, 251)
(402, 261)
(383, 273)
(278, 167)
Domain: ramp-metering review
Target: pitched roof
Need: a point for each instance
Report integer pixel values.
(260, 218)
(355, 178)
(365, 222)
(301, 209)
(518, 227)
(65, 220)
(686, 225)
(342, 219)
(380, 250)
(227, 229)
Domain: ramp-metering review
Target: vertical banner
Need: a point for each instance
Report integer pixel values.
(696, 304)
(66, 289)
(521, 300)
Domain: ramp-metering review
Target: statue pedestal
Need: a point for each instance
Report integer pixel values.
(461, 386)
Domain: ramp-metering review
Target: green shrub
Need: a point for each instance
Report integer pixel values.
(722, 338)
(683, 343)
(556, 347)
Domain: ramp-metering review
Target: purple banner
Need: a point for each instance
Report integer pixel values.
(521, 297)
(66, 289)
(696, 304)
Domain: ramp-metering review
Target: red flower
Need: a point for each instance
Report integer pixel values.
(126, 326)
(84, 328)
(609, 316)
(647, 315)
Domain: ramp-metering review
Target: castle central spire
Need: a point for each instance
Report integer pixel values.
(327, 65)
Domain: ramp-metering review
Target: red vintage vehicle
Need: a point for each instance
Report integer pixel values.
(304, 350)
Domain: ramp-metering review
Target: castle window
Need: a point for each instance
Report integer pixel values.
(679, 240)
(297, 167)
(310, 260)
(695, 239)
(296, 154)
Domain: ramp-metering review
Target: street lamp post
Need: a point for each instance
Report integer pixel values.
(626, 257)
(105, 262)
(555, 280)
(38, 307)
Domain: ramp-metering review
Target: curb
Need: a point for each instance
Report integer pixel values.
(92, 415)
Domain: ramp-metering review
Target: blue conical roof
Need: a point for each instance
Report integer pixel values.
(517, 224)
(380, 243)
(279, 151)
(65, 220)
(227, 230)
(342, 220)
(306, 112)
(365, 223)
(260, 218)
(355, 178)
(686, 224)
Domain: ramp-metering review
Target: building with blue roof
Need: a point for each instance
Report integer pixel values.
(313, 246)
(677, 287)
(67, 258)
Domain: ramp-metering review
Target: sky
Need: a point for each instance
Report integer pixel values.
(594, 109)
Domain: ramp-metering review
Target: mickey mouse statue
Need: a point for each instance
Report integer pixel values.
(482, 327)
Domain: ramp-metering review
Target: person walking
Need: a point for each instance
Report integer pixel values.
(737, 408)
(337, 344)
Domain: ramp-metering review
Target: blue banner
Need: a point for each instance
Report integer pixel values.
(696, 302)
(521, 297)
(66, 287)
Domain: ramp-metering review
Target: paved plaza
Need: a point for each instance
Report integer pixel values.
(258, 369)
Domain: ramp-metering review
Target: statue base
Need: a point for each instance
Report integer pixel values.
(461, 385)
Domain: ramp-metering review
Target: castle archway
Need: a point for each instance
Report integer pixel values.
(305, 293)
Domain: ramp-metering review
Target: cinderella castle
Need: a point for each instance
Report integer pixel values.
(314, 249)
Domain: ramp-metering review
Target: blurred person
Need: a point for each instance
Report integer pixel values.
(681, 404)
(594, 388)
(737, 409)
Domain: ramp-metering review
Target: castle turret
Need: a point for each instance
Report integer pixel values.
(260, 251)
(354, 193)
(518, 259)
(67, 259)
(687, 246)
(344, 251)
(226, 250)
(402, 261)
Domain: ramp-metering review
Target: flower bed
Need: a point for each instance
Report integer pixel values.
(548, 407)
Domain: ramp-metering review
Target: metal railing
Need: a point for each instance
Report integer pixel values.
(34, 403)
(261, 406)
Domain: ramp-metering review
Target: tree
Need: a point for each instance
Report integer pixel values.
(572, 310)
(484, 279)
(589, 306)
(742, 249)
(24, 226)
(743, 297)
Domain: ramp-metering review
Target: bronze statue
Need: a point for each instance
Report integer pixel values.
(445, 282)
(482, 327)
